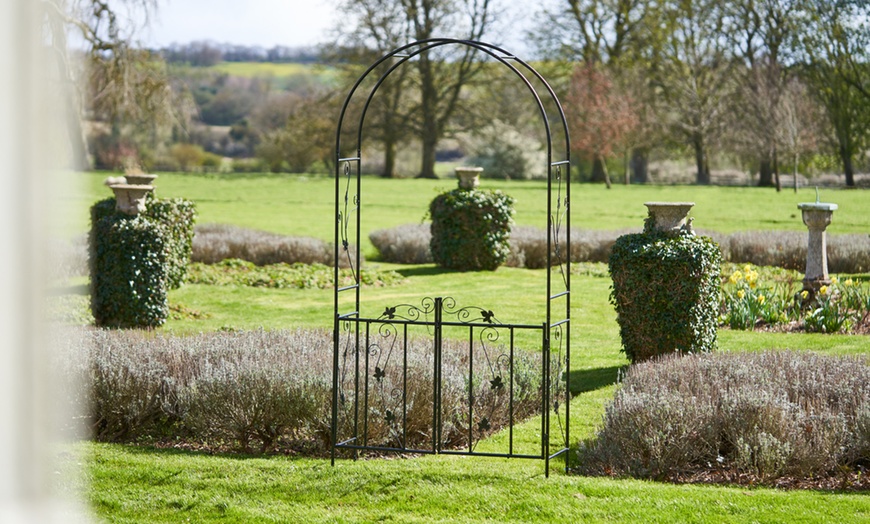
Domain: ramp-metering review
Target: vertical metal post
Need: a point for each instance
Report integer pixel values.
(511, 398)
(545, 416)
(335, 342)
(470, 389)
(436, 412)
(405, 387)
(365, 438)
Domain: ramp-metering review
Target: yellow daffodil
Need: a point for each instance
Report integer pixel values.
(747, 268)
(834, 280)
(741, 294)
(823, 290)
(736, 277)
(805, 294)
(848, 282)
(761, 299)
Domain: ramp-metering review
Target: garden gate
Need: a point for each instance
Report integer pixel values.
(436, 376)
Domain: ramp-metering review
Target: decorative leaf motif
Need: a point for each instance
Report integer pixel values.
(556, 406)
(483, 425)
(379, 374)
(487, 316)
(389, 313)
(496, 383)
(390, 417)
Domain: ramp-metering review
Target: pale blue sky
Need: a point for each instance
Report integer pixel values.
(246, 22)
(286, 22)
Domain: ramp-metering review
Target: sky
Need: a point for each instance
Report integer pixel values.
(245, 22)
(291, 23)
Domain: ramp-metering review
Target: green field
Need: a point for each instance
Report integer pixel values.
(284, 75)
(140, 484)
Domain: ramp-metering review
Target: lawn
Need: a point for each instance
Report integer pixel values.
(304, 206)
(140, 484)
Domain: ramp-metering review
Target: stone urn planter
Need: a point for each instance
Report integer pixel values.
(130, 198)
(670, 217)
(469, 177)
(140, 179)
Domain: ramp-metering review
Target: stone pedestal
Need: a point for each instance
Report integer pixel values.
(469, 177)
(817, 217)
(670, 217)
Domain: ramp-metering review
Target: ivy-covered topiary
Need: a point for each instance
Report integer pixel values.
(128, 271)
(666, 292)
(178, 215)
(471, 229)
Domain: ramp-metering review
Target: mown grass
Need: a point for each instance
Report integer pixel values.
(132, 484)
(304, 206)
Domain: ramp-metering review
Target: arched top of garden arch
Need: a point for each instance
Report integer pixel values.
(554, 328)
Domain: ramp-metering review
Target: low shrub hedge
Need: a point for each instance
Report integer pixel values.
(235, 272)
(766, 415)
(266, 389)
(408, 244)
(213, 243)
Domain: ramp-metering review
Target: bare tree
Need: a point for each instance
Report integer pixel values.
(695, 75)
(439, 76)
(798, 130)
(116, 81)
(760, 31)
(833, 54)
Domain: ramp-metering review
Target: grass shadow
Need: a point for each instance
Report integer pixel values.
(585, 380)
(424, 271)
(81, 289)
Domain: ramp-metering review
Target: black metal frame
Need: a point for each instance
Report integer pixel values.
(351, 390)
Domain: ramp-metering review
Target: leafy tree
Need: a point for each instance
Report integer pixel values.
(600, 116)
(619, 35)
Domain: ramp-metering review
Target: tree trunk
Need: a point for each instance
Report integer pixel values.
(765, 172)
(599, 170)
(427, 166)
(640, 165)
(703, 176)
(603, 165)
(389, 159)
(776, 171)
(847, 167)
(429, 102)
(625, 168)
(795, 172)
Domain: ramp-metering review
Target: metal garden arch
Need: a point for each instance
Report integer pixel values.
(387, 383)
